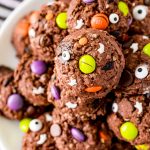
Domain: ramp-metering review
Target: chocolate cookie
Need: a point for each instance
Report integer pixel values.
(5, 71)
(20, 38)
(38, 136)
(62, 131)
(141, 16)
(135, 78)
(113, 16)
(88, 64)
(12, 104)
(130, 119)
(81, 107)
(48, 30)
(32, 76)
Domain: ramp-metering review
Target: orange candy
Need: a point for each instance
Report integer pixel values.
(49, 16)
(93, 89)
(99, 21)
(103, 136)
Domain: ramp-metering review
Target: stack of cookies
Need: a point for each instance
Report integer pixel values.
(83, 77)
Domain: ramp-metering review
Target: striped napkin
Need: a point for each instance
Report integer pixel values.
(6, 7)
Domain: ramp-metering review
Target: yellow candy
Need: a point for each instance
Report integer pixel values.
(146, 49)
(128, 131)
(142, 147)
(123, 7)
(61, 20)
(87, 64)
(24, 124)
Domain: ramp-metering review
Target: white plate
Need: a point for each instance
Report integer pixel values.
(10, 135)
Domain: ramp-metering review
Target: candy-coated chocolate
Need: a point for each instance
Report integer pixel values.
(88, 1)
(87, 64)
(38, 67)
(15, 102)
(99, 21)
(93, 89)
(128, 131)
(61, 20)
(78, 135)
(55, 92)
(123, 7)
(146, 49)
(24, 124)
(142, 147)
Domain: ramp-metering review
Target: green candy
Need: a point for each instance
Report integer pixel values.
(87, 64)
(128, 131)
(123, 7)
(61, 20)
(146, 49)
(24, 124)
(142, 147)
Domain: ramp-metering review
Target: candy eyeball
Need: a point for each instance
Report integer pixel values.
(65, 55)
(35, 125)
(140, 12)
(115, 107)
(113, 18)
(141, 71)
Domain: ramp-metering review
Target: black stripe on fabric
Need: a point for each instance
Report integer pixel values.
(7, 7)
(2, 18)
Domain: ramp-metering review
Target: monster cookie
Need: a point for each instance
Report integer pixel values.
(12, 104)
(88, 64)
(49, 29)
(32, 76)
(113, 16)
(65, 131)
(81, 107)
(5, 71)
(20, 38)
(141, 16)
(135, 78)
(38, 136)
(130, 119)
(77, 134)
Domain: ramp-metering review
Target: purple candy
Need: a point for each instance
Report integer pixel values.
(77, 134)
(88, 1)
(15, 102)
(130, 21)
(55, 92)
(38, 67)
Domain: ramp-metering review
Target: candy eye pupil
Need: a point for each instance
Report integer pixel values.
(140, 70)
(36, 123)
(140, 11)
(64, 55)
(115, 19)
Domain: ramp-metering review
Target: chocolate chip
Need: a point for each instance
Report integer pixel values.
(7, 81)
(109, 65)
(147, 2)
(115, 33)
(110, 1)
(126, 78)
(128, 44)
(95, 103)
